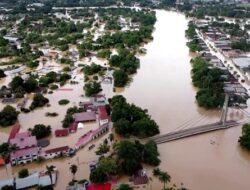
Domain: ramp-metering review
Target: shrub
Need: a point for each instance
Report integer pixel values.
(23, 173)
(63, 102)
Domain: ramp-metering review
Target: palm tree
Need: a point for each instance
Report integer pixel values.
(73, 168)
(49, 171)
(164, 178)
(156, 172)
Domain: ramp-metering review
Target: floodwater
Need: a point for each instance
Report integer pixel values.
(212, 161)
(163, 86)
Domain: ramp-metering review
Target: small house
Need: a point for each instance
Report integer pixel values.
(73, 127)
(54, 152)
(62, 132)
(84, 117)
(103, 115)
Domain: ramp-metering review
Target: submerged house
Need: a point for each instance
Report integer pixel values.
(103, 115)
(26, 148)
(91, 135)
(84, 117)
(55, 152)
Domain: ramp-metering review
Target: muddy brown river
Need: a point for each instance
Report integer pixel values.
(213, 161)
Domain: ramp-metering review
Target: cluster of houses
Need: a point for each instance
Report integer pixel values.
(26, 148)
(221, 43)
(95, 112)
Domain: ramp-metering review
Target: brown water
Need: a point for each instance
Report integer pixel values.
(211, 161)
(163, 86)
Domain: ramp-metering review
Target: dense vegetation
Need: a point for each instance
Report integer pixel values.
(127, 158)
(63, 102)
(41, 131)
(220, 10)
(193, 43)
(8, 116)
(2, 74)
(92, 88)
(38, 101)
(23, 173)
(131, 120)
(244, 140)
(209, 82)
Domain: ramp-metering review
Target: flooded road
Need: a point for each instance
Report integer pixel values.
(163, 86)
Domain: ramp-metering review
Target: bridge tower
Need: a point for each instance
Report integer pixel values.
(224, 110)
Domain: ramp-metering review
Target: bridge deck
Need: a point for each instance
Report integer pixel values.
(193, 131)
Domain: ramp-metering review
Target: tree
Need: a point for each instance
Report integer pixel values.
(98, 176)
(49, 171)
(63, 102)
(92, 88)
(8, 116)
(41, 131)
(2, 74)
(32, 64)
(164, 178)
(16, 82)
(111, 137)
(73, 169)
(4, 149)
(102, 149)
(129, 157)
(38, 101)
(150, 153)
(30, 85)
(105, 53)
(108, 165)
(120, 78)
(23, 173)
(244, 139)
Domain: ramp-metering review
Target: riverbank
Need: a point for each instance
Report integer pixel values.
(163, 86)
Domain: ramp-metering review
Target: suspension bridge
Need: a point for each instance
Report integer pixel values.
(188, 132)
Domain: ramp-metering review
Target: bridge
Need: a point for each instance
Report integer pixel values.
(183, 133)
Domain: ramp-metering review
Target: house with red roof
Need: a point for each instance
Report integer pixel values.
(103, 115)
(23, 134)
(26, 148)
(24, 142)
(23, 156)
(91, 135)
(2, 161)
(55, 152)
(73, 127)
(62, 132)
(101, 186)
(15, 129)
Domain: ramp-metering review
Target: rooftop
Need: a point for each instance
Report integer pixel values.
(84, 116)
(102, 113)
(23, 134)
(37, 178)
(28, 151)
(24, 142)
(15, 129)
(62, 132)
(104, 186)
(242, 62)
(58, 149)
